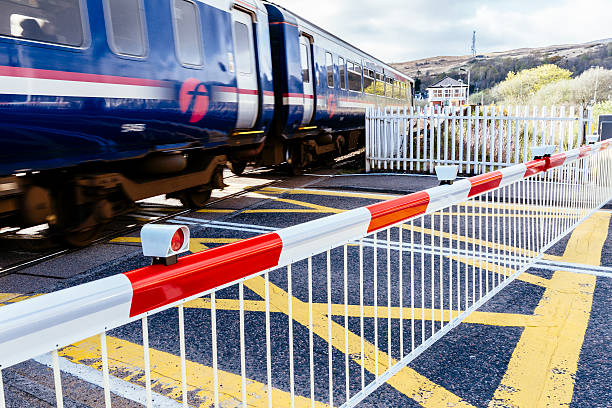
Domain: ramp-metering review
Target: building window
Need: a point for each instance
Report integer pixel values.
(329, 61)
(44, 20)
(354, 74)
(342, 72)
(188, 35)
(125, 25)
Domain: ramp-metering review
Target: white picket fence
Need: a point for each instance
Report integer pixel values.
(477, 139)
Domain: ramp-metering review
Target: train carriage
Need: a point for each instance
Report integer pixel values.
(105, 102)
(323, 87)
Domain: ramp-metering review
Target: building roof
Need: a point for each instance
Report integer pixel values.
(448, 82)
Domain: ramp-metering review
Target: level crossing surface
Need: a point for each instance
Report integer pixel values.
(542, 341)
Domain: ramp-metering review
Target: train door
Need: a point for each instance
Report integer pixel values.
(246, 70)
(307, 79)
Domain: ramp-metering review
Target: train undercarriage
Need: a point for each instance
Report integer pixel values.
(77, 203)
(298, 154)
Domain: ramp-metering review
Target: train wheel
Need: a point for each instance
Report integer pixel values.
(293, 160)
(80, 225)
(195, 198)
(237, 167)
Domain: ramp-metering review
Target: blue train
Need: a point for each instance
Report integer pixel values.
(106, 102)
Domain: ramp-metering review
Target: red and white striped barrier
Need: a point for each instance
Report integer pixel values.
(45, 323)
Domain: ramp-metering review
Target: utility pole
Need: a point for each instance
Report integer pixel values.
(474, 44)
(469, 74)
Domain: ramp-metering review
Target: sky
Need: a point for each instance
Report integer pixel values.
(403, 30)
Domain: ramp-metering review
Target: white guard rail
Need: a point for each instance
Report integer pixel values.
(325, 312)
(478, 139)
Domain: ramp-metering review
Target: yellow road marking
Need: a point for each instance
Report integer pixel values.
(320, 208)
(487, 318)
(126, 240)
(126, 360)
(385, 197)
(8, 298)
(543, 366)
(406, 381)
(496, 268)
(5, 297)
(466, 239)
(195, 244)
(297, 191)
(264, 211)
(207, 210)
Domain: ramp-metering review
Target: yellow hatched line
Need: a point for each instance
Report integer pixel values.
(8, 298)
(268, 211)
(297, 191)
(384, 197)
(406, 381)
(487, 318)
(126, 361)
(543, 366)
(469, 240)
(5, 297)
(495, 268)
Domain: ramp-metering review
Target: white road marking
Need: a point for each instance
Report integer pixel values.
(118, 387)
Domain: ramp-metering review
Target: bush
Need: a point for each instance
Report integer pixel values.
(519, 87)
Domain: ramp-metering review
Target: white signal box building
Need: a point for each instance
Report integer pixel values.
(448, 92)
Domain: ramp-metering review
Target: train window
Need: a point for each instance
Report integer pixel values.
(380, 84)
(243, 47)
(342, 72)
(52, 21)
(305, 65)
(329, 61)
(389, 88)
(369, 84)
(188, 35)
(354, 77)
(126, 28)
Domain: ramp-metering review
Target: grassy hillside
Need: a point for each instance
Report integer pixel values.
(490, 69)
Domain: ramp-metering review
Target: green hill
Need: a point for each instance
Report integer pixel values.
(487, 70)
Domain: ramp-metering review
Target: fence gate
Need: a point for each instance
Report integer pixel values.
(478, 139)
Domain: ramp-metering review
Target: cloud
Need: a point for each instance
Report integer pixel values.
(399, 30)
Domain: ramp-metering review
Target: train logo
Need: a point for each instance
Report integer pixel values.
(194, 98)
(331, 106)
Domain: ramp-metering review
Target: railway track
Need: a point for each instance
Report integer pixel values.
(20, 251)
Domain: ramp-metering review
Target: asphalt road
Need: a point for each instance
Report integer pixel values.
(544, 340)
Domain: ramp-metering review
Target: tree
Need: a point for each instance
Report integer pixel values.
(519, 87)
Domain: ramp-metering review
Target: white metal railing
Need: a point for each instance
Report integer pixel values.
(325, 312)
(478, 139)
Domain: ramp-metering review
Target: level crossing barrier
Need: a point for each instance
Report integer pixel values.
(478, 139)
(325, 312)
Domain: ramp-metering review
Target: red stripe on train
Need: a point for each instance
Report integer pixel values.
(77, 76)
(157, 286)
